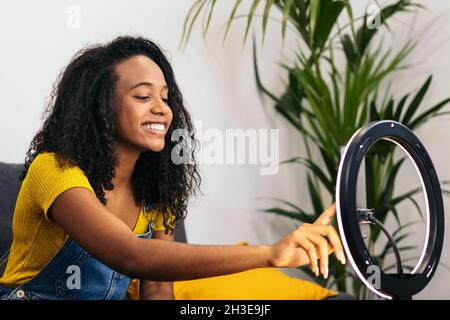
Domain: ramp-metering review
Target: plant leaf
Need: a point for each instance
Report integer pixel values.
(416, 101)
(316, 170)
(286, 11)
(250, 17)
(267, 7)
(315, 198)
(430, 112)
(231, 18)
(297, 215)
(208, 20)
(189, 21)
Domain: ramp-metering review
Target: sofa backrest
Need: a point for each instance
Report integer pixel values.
(9, 189)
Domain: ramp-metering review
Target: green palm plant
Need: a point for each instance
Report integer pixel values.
(328, 101)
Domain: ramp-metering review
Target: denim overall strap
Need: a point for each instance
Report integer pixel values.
(75, 274)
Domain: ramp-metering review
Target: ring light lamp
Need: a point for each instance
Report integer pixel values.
(400, 285)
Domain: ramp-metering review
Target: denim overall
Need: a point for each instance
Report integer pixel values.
(54, 282)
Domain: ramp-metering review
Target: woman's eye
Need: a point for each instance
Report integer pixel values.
(166, 100)
(143, 98)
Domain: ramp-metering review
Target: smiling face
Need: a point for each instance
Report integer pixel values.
(143, 116)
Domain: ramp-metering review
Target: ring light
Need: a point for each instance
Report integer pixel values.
(400, 285)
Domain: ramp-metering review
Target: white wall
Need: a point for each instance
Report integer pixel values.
(219, 89)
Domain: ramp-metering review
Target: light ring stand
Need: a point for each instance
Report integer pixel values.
(392, 286)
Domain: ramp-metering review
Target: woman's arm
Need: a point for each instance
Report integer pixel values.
(106, 237)
(156, 290)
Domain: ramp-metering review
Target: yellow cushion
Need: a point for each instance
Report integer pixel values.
(254, 284)
(133, 289)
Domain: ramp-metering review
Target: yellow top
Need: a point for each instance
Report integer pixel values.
(36, 238)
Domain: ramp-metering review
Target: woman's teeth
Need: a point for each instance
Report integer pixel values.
(154, 126)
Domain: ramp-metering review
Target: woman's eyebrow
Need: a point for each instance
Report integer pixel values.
(145, 83)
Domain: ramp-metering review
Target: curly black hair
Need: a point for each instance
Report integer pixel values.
(80, 128)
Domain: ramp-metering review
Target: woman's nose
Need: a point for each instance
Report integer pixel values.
(160, 108)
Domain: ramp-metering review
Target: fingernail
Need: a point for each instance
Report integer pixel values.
(316, 269)
(341, 257)
(325, 272)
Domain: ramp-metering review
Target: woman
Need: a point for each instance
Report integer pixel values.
(100, 191)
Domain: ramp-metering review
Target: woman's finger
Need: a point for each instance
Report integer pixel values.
(327, 216)
(302, 241)
(333, 237)
(321, 244)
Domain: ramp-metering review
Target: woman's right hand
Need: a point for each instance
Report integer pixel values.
(308, 243)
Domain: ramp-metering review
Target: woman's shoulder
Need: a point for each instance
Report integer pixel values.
(52, 161)
(46, 158)
(47, 178)
(49, 166)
